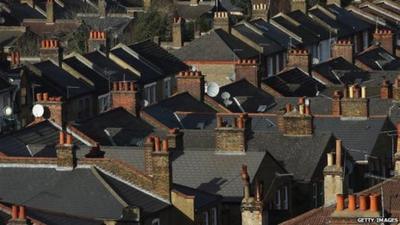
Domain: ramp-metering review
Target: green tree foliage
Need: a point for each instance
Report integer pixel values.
(77, 41)
(28, 44)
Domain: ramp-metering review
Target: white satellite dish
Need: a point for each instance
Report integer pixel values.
(145, 103)
(225, 95)
(212, 89)
(7, 111)
(38, 110)
(315, 61)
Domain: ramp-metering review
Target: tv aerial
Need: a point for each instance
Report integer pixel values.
(212, 89)
(38, 110)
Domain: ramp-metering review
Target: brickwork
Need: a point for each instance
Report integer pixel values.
(251, 207)
(65, 152)
(247, 69)
(50, 49)
(259, 11)
(97, 40)
(299, 5)
(344, 49)
(386, 90)
(355, 104)
(298, 122)
(230, 137)
(15, 59)
(54, 109)
(385, 39)
(300, 59)
(221, 20)
(50, 11)
(177, 32)
(336, 106)
(175, 139)
(192, 82)
(125, 94)
(162, 172)
(216, 72)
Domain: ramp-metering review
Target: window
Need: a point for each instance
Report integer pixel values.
(205, 217)
(277, 64)
(214, 216)
(270, 66)
(167, 87)
(156, 222)
(278, 199)
(150, 92)
(365, 39)
(285, 200)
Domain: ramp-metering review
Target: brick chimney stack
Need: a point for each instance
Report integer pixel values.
(102, 7)
(248, 69)
(18, 216)
(397, 154)
(50, 49)
(53, 106)
(343, 48)
(299, 5)
(221, 20)
(177, 32)
(65, 152)
(336, 105)
(175, 139)
(396, 89)
(97, 41)
(349, 215)
(337, 2)
(192, 82)
(300, 59)
(161, 167)
(125, 94)
(259, 11)
(385, 39)
(230, 135)
(50, 11)
(15, 59)
(333, 176)
(386, 90)
(252, 206)
(297, 121)
(354, 105)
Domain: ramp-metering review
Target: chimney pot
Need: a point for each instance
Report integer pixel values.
(157, 144)
(329, 159)
(288, 107)
(45, 96)
(352, 202)
(14, 212)
(165, 145)
(69, 139)
(338, 153)
(374, 206)
(339, 202)
(363, 202)
(21, 215)
(61, 138)
(363, 92)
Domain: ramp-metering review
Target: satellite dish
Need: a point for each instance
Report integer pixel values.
(7, 111)
(227, 102)
(38, 110)
(212, 89)
(145, 103)
(194, 68)
(225, 95)
(315, 60)
(261, 108)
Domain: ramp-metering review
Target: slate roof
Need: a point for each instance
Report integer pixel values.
(62, 80)
(100, 82)
(164, 60)
(110, 67)
(202, 198)
(253, 33)
(293, 82)
(223, 48)
(310, 25)
(23, 11)
(188, 12)
(391, 199)
(148, 72)
(164, 110)
(81, 192)
(115, 25)
(329, 18)
(37, 140)
(349, 19)
(249, 96)
(378, 58)
(274, 33)
(116, 127)
(339, 71)
(298, 155)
